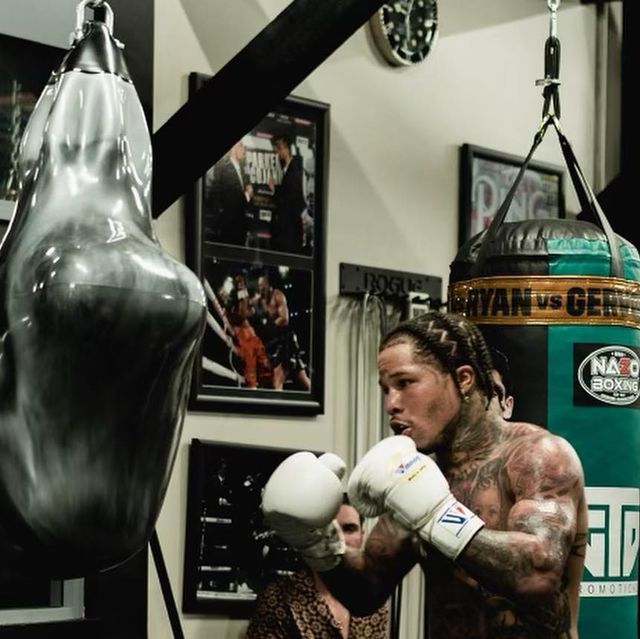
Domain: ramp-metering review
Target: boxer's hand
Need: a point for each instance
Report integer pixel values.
(299, 504)
(394, 477)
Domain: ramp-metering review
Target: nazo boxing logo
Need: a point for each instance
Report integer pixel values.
(611, 374)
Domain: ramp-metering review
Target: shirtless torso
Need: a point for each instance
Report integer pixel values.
(526, 483)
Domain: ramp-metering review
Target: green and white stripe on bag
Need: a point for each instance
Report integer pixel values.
(545, 297)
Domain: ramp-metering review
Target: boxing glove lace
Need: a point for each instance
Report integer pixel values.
(394, 477)
(300, 502)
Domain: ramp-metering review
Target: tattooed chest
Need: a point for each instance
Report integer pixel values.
(483, 487)
(496, 619)
(460, 608)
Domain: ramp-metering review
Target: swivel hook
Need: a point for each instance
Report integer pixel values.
(551, 80)
(80, 21)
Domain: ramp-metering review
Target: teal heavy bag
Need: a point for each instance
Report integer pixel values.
(561, 299)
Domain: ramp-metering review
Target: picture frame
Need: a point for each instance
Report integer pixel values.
(487, 175)
(230, 554)
(254, 227)
(24, 72)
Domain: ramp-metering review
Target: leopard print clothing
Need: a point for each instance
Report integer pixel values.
(291, 608)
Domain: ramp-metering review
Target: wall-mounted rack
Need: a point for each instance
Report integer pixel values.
(357, 280)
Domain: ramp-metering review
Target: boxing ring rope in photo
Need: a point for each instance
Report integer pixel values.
(219, 331)
(225, 333)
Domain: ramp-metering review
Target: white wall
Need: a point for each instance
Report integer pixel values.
(393, 178)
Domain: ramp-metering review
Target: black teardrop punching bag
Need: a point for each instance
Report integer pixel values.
(561, 299)
(100, 327)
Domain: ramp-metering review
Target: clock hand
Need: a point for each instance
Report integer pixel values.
(407, 21)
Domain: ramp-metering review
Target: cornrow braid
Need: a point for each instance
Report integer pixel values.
(452, 340)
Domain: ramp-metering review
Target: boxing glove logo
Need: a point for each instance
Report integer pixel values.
(455, 517)
(410, 465)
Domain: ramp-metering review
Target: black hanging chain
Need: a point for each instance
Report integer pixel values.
(551, 80)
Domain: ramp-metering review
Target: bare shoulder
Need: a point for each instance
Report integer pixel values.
(539, 462)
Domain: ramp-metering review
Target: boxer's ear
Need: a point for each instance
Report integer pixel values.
(466, 378)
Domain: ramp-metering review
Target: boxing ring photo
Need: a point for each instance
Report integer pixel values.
(255, 236)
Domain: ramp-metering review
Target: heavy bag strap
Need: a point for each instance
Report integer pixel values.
(583, 190)
(589, 202)
(492, 231)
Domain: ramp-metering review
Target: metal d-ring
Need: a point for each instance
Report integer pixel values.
(92, 4)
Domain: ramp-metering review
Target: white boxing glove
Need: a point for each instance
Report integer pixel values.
(394, 477)
(300, 502)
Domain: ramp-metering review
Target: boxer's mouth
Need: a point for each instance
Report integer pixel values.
(398, 428)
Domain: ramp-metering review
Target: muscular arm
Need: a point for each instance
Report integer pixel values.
(282, 310)
(365, 579)
(529, 558)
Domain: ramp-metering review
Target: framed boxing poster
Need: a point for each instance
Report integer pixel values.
(485, 179)
(255, 237)
(230, 555)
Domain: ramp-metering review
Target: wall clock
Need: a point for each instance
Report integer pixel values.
(405, 30)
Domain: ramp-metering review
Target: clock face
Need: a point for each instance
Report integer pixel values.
(405, 30)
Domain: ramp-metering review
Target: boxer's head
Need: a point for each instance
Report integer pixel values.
(449, 340)
(436, 374)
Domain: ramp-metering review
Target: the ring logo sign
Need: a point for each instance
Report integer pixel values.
(611, 562)
(610, 374)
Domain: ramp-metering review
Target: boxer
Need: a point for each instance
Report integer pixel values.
(494, 511)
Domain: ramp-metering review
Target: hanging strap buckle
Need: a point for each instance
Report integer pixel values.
(551, 80)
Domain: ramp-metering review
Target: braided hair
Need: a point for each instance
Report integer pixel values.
(452, 340)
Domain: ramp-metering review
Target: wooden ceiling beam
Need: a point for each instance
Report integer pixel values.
(236, 98)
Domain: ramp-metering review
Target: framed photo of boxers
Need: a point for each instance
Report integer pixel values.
(255, 237)
(230, 555)
(485, 179)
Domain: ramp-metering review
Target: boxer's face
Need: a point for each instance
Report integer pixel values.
(263, 286)
(420, 398)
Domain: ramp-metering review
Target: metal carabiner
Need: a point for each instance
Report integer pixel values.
(80, 20)
(553, 6)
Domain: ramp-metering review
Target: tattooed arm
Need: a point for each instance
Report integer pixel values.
(542, 543)
(365, 579)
